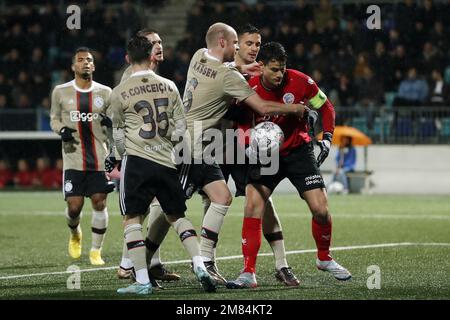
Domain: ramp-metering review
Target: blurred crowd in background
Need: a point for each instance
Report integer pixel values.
(41, 174)
(409, 56)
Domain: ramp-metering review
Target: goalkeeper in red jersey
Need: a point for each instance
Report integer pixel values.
(297, 162)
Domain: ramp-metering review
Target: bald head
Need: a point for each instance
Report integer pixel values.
(217, 31)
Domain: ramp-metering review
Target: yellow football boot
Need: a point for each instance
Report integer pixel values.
(75, 245)
(95, 257)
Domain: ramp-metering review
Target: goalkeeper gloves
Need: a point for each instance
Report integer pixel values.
(66, 134)
(325, 145)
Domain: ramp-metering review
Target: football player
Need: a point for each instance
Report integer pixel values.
(249, 44)
(77, 115)
(297, 162)
(211, 86)
(147, 114)
(156, 217)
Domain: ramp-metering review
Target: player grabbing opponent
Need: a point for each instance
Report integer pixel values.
(211, 87)
(297, 163)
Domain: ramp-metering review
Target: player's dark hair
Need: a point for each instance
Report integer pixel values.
(272, 51)
(247, 28)
(80, 49)
(139, 49)
(145, 32)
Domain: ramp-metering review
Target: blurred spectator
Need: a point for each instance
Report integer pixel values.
(299, 59)
(362, 63)
(370, 95)
(417, 41)
(430, 59)
(439, 90)
(371, 89)
(129, 21)
(405, 16)
(412, 91)
(323, 14)
(58, 173)
(400, 65)
(381, 65)
(23, 101)
(427, 13)
(345, 162)
(438, 37)
(343, 62)
(6, 174)
(346, 91)
(3, 101)
(318, 60)
(43, 176)
(332, 35)
(311, 35)
(299, 14)
(24, 176)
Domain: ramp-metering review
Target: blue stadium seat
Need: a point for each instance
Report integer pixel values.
(427, 128)
(360, 123)
(385, 124)
(403, 127)
(389, 98)
(445, 131)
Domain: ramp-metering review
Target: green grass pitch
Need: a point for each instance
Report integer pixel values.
(413, 234)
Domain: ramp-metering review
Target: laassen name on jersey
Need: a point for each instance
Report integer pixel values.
(204, 70)
(146, 88)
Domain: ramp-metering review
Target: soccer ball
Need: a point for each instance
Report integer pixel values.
(335, 187)
(265, 139)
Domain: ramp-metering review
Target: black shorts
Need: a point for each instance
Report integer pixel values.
(299, 166)
(239, 174)
(141, 180)
(79, 183)
(194, 176)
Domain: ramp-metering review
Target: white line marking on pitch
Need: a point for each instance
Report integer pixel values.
(397, 216)
(369, 246)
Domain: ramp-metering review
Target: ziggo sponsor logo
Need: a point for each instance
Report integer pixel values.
(76, 116)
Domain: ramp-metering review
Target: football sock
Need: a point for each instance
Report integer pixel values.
(156, 232)
(276, 241)
(251, 242)
(197, 261)
(212, 222)
(99, 225)
(206, 203)
(322, 236)
(188, 236)
(126, 262)
(274, 235)
(73, 223)
(136, 251)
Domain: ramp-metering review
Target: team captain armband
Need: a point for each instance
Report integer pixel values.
(318, 100)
